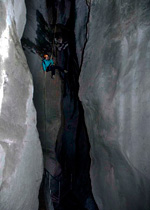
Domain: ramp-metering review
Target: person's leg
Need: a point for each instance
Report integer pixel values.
(59, 68)
(48, 69)
(61, 71)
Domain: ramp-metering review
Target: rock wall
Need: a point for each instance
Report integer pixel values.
(81, 20)
(47, 92)
(37, 41)
(20, 149)
(115, 92)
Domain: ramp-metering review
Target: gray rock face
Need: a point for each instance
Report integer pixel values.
(37, 39)
(47, 92)
(19, 15)
(114, 89)
(20, 149)
(63, 11)
(81, 9)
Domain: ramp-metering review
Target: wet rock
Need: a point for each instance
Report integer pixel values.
(20, 150)
(114, 90)
(81, 18)
(47, 92)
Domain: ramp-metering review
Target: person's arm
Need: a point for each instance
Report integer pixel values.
(51, 62)
(44, 65)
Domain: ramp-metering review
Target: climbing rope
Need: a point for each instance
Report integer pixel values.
(45, 93)
(45, 112)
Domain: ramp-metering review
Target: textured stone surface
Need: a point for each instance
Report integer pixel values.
(47, 92)
(63, 11)
(114, 89)
(81, 20)
(20, 149)
(19, 15)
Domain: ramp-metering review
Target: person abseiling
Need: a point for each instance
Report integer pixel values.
(48, 65)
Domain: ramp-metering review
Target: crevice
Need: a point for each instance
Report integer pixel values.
(70, 187)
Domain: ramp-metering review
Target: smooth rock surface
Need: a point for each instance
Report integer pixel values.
(37, 41)
(81, 19)
(115, 92)
(63, 11)
(47, 92)
(20, 150)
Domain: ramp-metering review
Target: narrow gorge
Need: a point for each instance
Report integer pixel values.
(79, 141)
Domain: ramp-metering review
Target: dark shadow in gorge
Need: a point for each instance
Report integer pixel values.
(73, 144)
(74, 152)
(45, 35)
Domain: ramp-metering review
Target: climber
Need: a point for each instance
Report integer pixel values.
(48, 65)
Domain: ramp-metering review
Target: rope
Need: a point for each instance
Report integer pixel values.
(45, 109)
(45, 127)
